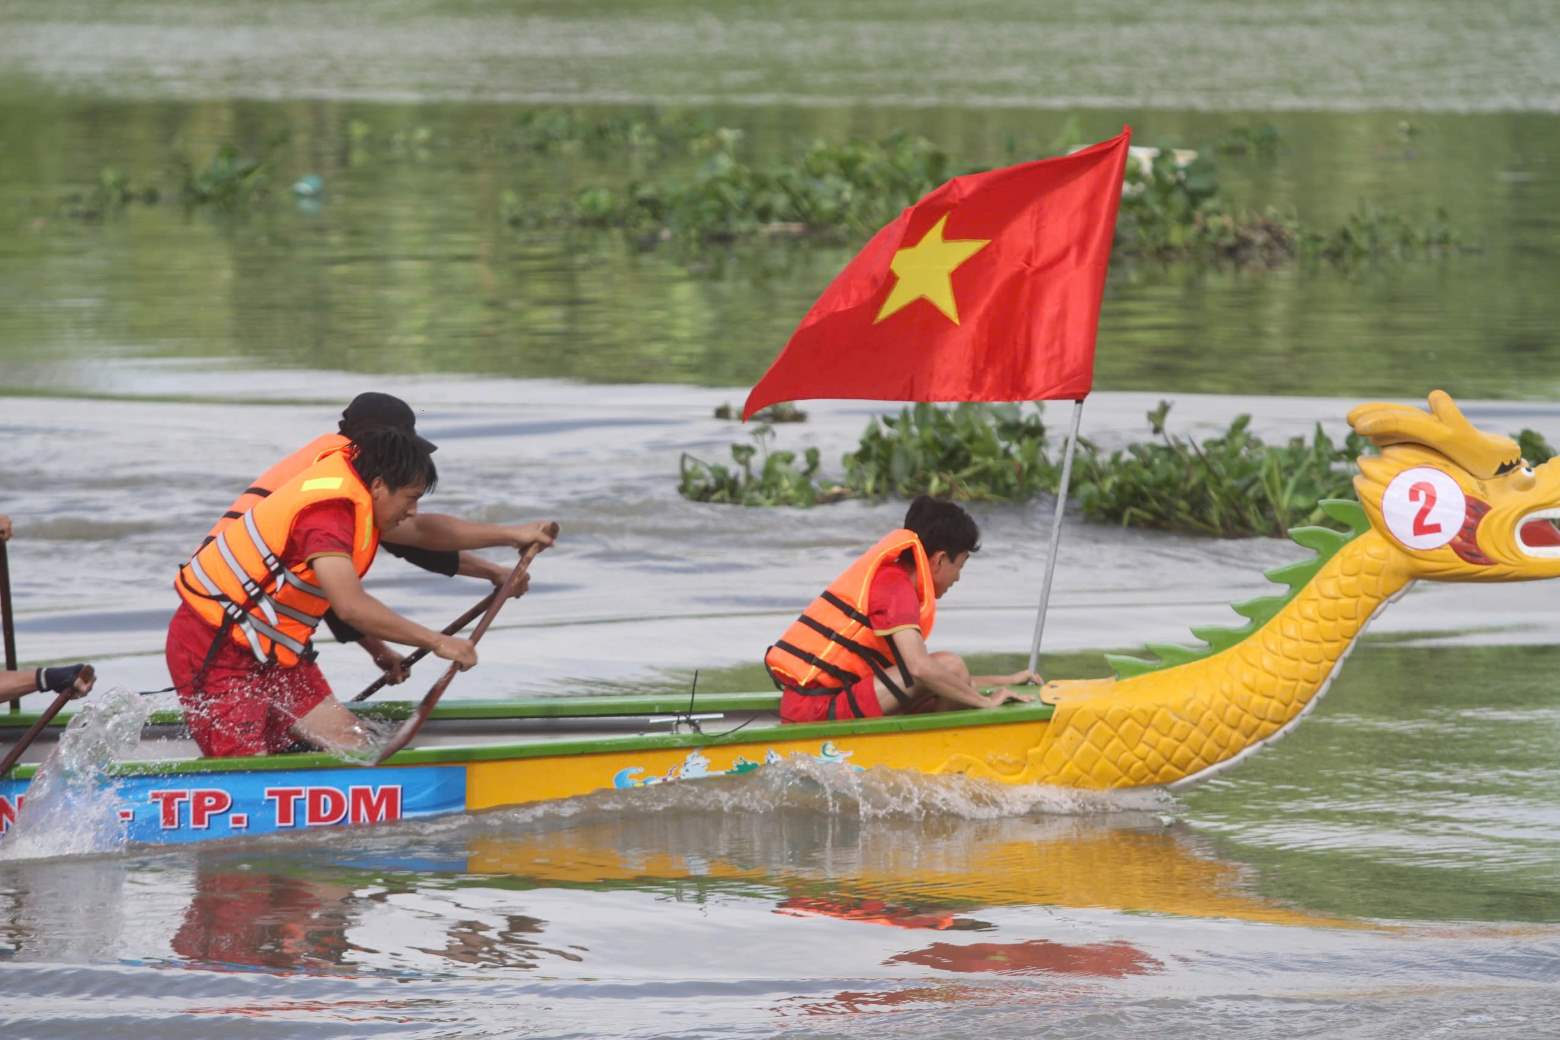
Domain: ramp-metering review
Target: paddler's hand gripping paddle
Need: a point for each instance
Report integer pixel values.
(410, 727)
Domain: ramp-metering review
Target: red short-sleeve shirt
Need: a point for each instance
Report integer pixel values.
(323, 529)
(892, 605)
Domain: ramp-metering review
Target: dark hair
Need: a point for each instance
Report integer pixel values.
(396, 456)
(942, 526)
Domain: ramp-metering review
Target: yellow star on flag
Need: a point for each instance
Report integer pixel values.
(925, 272)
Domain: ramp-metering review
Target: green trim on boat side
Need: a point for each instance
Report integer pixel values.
(591, 707)
(536, 708)
(1011, 714)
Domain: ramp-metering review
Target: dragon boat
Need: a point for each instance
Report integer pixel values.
(1442, 501)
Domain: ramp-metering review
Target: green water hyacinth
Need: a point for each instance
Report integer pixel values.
(776, 481)
(1229, 486)
(228, 180)
(828, 190)
(973, 452)
(1534, 447)
(1232, 485)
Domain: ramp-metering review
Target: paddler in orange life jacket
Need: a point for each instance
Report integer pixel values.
(364, 412)
(239, 644)
(859, 650)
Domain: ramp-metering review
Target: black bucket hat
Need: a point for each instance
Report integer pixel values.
(376, 409)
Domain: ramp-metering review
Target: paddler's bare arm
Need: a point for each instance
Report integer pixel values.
(46, 680)
(371, 617)
(441, 532)
(946, 680)
(16, 684)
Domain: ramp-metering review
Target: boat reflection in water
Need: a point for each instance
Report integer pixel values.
(592, 888)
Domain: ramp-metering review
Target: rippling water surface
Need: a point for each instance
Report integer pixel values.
(1293, 898)
(1388, 870)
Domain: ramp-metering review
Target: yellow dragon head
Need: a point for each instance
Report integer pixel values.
(1459, 503)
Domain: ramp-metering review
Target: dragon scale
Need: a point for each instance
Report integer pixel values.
(1170, 725)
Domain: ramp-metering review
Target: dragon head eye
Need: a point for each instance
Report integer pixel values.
(1522, 476)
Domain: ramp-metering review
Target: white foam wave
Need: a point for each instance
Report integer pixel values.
(833, 789)
(69, 810)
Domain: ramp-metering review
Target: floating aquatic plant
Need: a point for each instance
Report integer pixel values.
(228, 179)
(784, 412)
(974, 452)
(828, 190)
(1172, 207)
(1535, 448)
(111, 192)
(1231, 485)
(777, 481)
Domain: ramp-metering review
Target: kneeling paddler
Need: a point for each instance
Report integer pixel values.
(859, 650)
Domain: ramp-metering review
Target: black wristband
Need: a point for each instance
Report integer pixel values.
(58, 680)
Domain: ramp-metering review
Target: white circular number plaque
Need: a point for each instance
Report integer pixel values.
(1423, 508)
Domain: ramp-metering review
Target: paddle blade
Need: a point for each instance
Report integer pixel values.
(408, 729)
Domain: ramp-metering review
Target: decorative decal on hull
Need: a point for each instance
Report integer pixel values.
(697, 767)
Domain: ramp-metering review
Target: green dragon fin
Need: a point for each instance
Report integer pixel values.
(1324, 542)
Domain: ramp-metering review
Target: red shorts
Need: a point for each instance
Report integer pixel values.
(858, 702)
(242, 706)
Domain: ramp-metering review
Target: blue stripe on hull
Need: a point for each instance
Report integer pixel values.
(201, 806)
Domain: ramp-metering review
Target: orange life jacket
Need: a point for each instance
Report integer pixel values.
(237, 581)
(832, 646)
(275, 477)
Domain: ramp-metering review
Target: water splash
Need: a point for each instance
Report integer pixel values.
(373, 736)
(833, 789)
(69, 809)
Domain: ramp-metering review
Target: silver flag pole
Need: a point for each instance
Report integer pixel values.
(1056, 533)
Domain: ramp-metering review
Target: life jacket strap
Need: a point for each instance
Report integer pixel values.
(846, 609)
(834, 671)
(875, 660)
(274, 565)
(833, 636)
(211, 654)
(254, 593)
(254, 626)
(772, 676)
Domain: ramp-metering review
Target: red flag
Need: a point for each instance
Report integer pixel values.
(988, 289)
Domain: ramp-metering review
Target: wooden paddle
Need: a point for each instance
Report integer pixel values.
(411, 659)
(410, 727)
(5, 618)
(86, 676)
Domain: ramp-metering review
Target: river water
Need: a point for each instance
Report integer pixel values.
(1387, 870)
